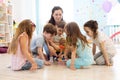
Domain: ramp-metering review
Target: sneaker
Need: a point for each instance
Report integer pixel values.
(51, 59)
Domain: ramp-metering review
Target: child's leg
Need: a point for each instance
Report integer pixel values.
(46, 51)
(27, 66)
(39, 62)
(111, 58)
(100, 60)
(97, 55)
(79, 63)
(67, 53)
(52, 51)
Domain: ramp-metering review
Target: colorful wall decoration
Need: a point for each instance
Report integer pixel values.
(94, 9)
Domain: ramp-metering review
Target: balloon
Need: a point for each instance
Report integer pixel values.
(119, 1)
(107, 6)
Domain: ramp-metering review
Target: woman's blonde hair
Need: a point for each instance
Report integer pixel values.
(24, 26)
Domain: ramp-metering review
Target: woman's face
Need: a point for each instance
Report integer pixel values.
(57, 15)
(88, 31)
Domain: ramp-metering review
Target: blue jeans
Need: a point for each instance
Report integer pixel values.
(47, 51)
(28, 65)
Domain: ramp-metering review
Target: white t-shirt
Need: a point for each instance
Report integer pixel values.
(108, 43)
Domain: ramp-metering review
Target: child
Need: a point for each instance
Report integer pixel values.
(106, 46)
(42, 43)
(19, 48)
(78, 45)
(60, 31)
(59, 36)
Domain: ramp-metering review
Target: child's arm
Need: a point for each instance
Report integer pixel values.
(51, 49)
(73, 56)
(26, 53)
(41, 55)
(67, 49)
(105, 55)
(94, 49)
(56, 47)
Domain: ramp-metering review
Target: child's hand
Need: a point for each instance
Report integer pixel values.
(34, 67)
(108, 63)
(72, 67)
(47, 63)
(52, 51)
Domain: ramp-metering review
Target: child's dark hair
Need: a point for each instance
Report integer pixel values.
(93, 25)
(49, 28)
(61, 24)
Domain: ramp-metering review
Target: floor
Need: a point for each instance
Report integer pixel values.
(60, 72)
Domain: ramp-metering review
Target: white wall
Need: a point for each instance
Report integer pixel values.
(114, 15)
(23, 9)
(47, 5)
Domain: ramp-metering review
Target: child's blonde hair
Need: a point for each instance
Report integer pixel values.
(24, 26)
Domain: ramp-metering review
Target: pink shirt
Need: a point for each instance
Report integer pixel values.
(18, 59)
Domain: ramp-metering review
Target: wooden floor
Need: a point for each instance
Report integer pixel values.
(60, 72)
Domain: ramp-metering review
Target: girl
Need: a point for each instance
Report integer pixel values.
(20, 48)
(106, 46)
(78, 45)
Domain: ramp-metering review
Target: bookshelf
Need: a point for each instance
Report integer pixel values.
(6, 22)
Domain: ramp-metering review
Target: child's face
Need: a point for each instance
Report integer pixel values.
(33, 28)
(48, 36)
(60, 31)
(88, 31)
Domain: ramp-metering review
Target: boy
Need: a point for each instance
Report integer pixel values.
(41, 43)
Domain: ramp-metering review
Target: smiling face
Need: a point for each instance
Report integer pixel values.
(88, 31)
(57, 15)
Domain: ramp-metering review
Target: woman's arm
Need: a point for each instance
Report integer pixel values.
(26, 53)
(73, 56)
(94, 49)
(105, 55)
